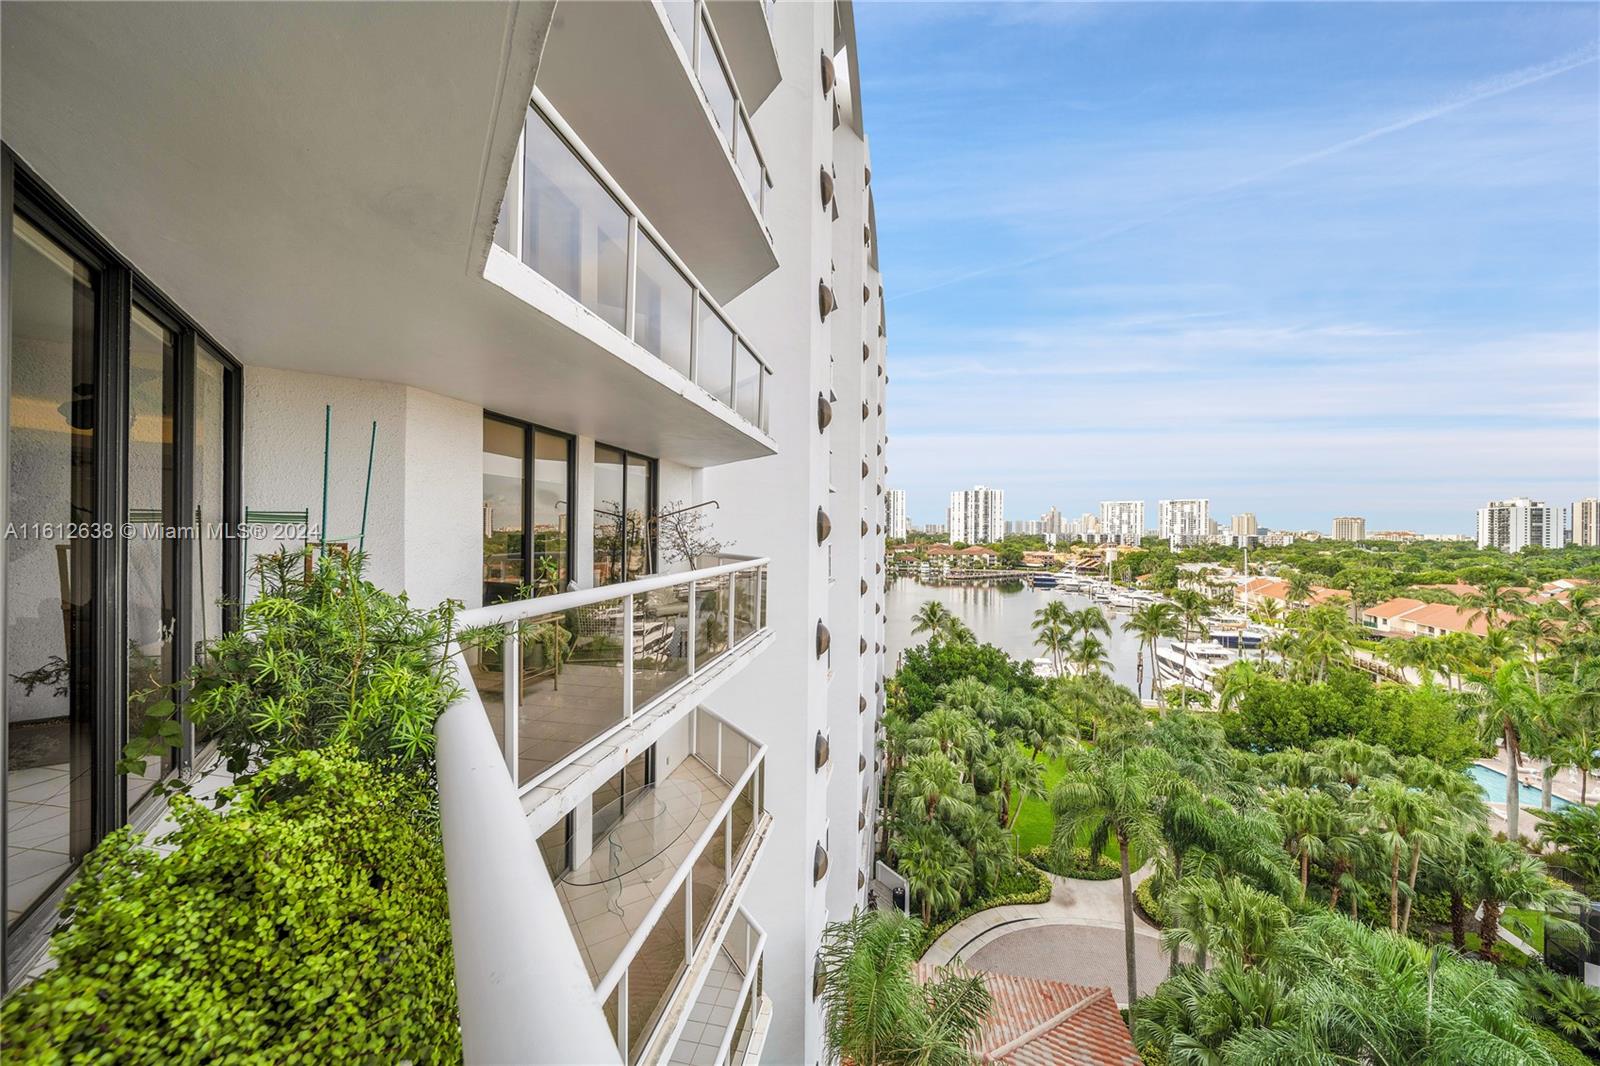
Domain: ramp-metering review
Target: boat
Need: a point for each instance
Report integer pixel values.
(1044, 581)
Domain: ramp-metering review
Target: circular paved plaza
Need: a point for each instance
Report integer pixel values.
(1075, 954)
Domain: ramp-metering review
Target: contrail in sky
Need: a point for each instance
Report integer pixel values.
(1483, 90)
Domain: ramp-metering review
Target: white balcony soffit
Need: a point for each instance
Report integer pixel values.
(317, 184)
(606, 62)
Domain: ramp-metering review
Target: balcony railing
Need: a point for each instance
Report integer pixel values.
(570, 669)
(525, 992)
(645, 976)
(715, 1033)
(566, 219)
(707, 59)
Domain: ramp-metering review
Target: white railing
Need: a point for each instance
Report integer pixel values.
(728, 747)
(747, 1004)
(706, 58)
(730, 384)
(636, 644)
(524, 991)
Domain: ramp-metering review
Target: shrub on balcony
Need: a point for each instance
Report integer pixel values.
(321, 656)
(307, 922)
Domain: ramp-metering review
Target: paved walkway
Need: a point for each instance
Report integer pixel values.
(1071, 902)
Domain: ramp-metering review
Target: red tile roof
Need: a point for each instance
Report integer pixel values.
(1047, 1023)
(1393, 608)
(1447, 617)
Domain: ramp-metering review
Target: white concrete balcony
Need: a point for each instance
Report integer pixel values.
(571, 243)
(653, 905)
(744, 28)
(318, 238)
(727, 1021)
(652, 93)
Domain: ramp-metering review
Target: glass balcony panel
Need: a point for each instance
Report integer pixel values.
(484, 667)
(574, 232)
(744, 604)
(680, 15)
(709, 878)
(660, 642)
(714, 355)
(747, 385)
(766, 389)
(711, 623)
(663, 308)
(741, 1031)
(718, 89)
(612, 1017)
(654, 972)
(570, 685)
(744, 817)
(761, 610)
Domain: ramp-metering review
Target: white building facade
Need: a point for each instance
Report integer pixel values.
(534, 270)
(977, 515)
(1121, 521)
(1185, 521)
(895, 513)
(1348, 527)
(1514, 524)
(1586, 522)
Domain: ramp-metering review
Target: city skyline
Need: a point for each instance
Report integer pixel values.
(1303, 260)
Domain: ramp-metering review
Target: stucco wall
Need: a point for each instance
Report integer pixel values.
(422, 531)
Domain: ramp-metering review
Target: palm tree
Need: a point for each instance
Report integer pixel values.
(1150, 623)
(1013, 771)
(1508, 707)
(1299, 589)
(936, 867)
(1052, 624)
(1192, 609)
(930, 785)
(1089, 656)
(932, 618)
(1235, 921)
(1494, 602)
(875, 1013)
(1402, 819)
(1234, 681)
(950, 729)
(1113, 796)
(1502, 875)
(1307, 820)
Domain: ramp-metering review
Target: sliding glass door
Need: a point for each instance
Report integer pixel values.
(122, 431)
(50, 566)
(527, 483)
(624, 515)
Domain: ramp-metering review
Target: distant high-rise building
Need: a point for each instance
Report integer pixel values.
(977, 515)
(894, 517)
(1348, 527)
(1185, 521)
(1121, 520)
(1513, 524)
(1586, 522)
(1244, 525)
(1051, 520)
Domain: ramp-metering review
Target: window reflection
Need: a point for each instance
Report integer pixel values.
(574, 232)
(624, 533)
(49, 603)
(663, 307)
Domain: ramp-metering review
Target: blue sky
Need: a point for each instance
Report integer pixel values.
(1304, 260)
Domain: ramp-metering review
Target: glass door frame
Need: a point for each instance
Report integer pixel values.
(530, 432)
(118, 286)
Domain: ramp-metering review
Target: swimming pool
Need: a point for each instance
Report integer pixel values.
(1493, 784)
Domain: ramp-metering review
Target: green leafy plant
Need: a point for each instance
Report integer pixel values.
(1562, 1050)
(876, 1013)
(320, 657)
(1078, 863)
(1563, 1004)
(306, 922)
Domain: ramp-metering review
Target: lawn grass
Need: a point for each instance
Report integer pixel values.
(1035, 824)
(1533, 919)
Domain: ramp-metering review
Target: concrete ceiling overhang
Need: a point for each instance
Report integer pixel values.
(317, 185)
